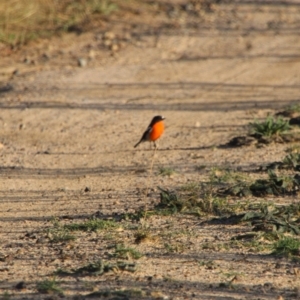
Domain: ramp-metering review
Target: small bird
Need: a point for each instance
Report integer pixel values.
(154, 131)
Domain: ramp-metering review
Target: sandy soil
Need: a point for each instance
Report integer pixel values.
(65, 128)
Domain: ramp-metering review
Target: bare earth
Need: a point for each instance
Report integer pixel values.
(67, 136)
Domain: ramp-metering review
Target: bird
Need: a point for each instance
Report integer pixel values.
(154, 131)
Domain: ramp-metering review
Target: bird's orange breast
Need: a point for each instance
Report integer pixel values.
(157, 130)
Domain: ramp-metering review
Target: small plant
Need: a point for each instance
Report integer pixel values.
(166, 171)
(209, 264)
(293, 149)
(174, 248)
(97, 268)
(104, 7)
(281, 219)
(271, 126)
(59, 234)
(126, 252)
(190, 187)
(275, 185)
(6, 296)
(141, 236)
(293, 108)
(292, 161)
(48, 287)
(287, 246)
(31, 19)
(197, 199)
(254, 243)
(93, 224)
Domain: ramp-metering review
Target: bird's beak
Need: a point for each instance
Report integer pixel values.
(163, 117)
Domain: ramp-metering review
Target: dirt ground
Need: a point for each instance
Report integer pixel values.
(73, 107)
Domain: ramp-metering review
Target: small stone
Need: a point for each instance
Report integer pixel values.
(92, 54)
(114, 47)
(109, 35)
(27, 61)
(107, 43)
(87, 189)
(82, 62)
(21, 285)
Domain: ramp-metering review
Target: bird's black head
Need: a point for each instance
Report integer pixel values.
(156, 119)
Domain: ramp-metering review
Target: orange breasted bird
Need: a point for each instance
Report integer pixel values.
(154, 131)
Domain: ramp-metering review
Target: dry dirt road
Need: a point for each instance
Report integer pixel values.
(67, 136)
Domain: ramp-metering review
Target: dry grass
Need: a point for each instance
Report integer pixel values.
(21, 21)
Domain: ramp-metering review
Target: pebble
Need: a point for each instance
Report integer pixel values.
(109, 35)
(114, 47)
(21, 285)
(82, 62)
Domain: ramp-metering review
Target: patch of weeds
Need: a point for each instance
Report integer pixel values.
(231, 274)
(241, 187)
(271, 130)
(208, 264)
(170, 201)
(126, 252)
(118, 294)
(136, 216)
(98, 267)
(226, 176)
(275, 185)
(59, 234)
(6, 296)
(251, 242)
(270, 127)
(213, 246)
(174, 247)
(142, 235)
(197, 199)
(290, 162)
(284, 219)
(287, 246)
(212, 197)
(165, 171)
(49, 287)
(104, 7)
(93, 224)
(193, 187)
(293, 149)
(226, 285)
(230, 183)
(200, 168)
(88, 286)
(230, 283)
(27, 20)
(290, 110)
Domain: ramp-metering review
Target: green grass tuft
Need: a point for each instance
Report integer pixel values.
(165, 171)
(92, 225)
(49, 287)
(287, 246)
(126, 252)
(22, 21)
(271, 126)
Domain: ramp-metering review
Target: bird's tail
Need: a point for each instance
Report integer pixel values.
(138, 143)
